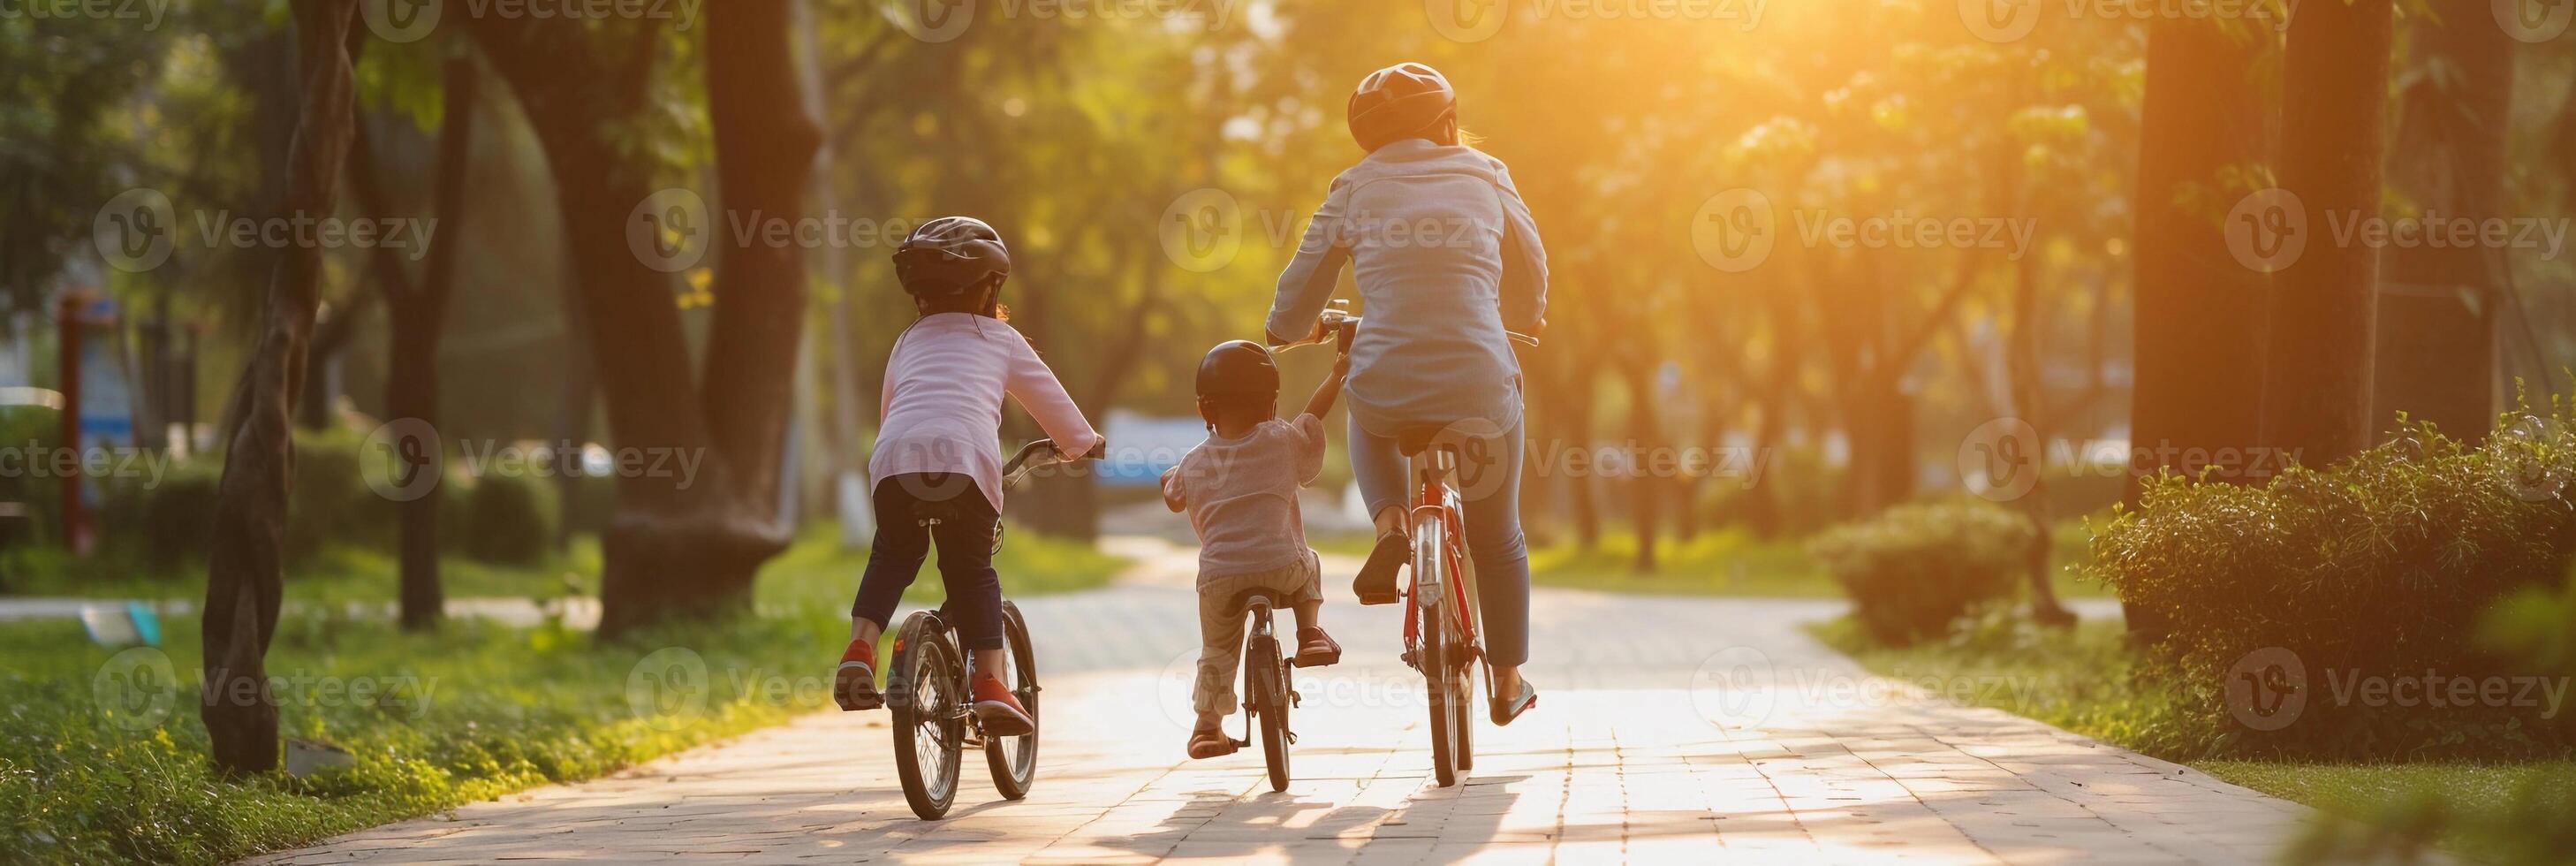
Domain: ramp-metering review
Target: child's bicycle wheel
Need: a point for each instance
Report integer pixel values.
(926, 690)
(1014, 760)
(1265, 682)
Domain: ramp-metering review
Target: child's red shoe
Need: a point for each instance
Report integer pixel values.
(854, 683)
(999, 710)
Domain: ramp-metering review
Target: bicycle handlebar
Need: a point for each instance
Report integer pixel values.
(1338, 325)
(1042, 452)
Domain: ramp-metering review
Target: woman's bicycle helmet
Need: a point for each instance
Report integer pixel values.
(951, 255)
(1399, 102)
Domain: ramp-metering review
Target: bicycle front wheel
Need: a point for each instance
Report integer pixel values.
(926, 693)
(1014, 760)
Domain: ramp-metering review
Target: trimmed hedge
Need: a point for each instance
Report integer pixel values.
(1915, 569)
(509, 519)
(2377, 570)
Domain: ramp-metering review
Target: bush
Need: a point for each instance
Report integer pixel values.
(509, 519)
(35, 428)
(171, 522)
(1913, 570)
(2378, 567)
(2534, 819)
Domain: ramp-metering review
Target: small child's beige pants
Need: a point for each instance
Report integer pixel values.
(1221, 624)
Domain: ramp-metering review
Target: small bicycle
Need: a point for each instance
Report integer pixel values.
(1267, 692)
(1441, 638)
(926, 685)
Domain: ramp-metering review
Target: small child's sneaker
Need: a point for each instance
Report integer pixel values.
(999, 710)
(854, 683)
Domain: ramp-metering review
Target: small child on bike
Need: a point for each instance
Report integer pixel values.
(1240, 489)
(938, 452)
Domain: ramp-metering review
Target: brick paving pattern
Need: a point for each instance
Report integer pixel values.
(1670, 730)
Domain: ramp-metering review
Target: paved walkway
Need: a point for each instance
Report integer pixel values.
(1671, 730)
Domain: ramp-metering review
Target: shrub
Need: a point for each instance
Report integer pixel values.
(509, 519)
(330, 502)
(2532, 822)
(2378, 567)
(34, 428)
(1913, 570)
(173, 520)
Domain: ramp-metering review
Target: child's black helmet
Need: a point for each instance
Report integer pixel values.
(1238, 367)
(950, 255)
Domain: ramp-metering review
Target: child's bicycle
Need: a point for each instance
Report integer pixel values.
(1267, 693)
(926, 683)
(1440, 624)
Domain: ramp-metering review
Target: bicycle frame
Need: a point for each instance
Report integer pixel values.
(1436, 499)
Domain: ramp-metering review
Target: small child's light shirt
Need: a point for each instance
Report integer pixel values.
(1242, 495)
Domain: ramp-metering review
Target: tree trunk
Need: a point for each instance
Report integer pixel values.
(2198, 314)
(681, 544)
(419, 320)
(2317, 389)
(1584, 502)
(2437, 350)
(851, 502)
(2031, 402)
(244, 576)
(1645, 488)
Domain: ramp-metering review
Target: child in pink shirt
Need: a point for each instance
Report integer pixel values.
(937, 445)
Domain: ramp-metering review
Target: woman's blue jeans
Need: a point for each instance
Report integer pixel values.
(1494, 540)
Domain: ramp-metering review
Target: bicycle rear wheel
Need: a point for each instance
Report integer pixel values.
(1266, 685)
(926, 692)
(1014, 760)
(1438, 652)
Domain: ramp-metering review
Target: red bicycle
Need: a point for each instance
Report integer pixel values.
(1442, 640)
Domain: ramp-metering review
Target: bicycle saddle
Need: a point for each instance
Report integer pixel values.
(1412, 439)
(1243, 600)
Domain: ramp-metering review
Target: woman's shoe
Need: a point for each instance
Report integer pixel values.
(1316, 649)
(1376, 581)
(1506, 709)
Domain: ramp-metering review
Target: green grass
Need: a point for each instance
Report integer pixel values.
(338, 574)
(2080, 680)
(815, 570)
(472, 712)
(1732, 561)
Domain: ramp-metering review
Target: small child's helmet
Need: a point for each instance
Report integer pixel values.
(950, 255)
(1238, 367)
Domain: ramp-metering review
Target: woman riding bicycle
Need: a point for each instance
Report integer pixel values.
(1447, 260)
